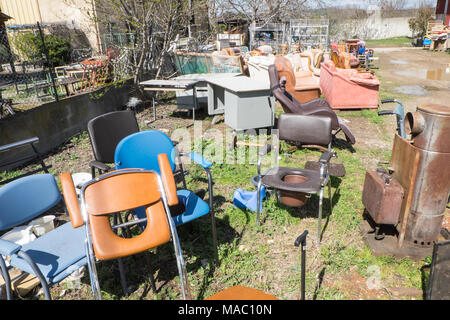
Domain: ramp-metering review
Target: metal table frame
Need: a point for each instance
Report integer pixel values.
(171, 85)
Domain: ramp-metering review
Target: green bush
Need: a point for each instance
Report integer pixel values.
(28, 46)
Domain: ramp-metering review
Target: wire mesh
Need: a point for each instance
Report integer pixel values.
(24, 73)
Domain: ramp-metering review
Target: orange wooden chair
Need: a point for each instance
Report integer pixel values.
(119, 191)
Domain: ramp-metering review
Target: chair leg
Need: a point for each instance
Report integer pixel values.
(258, 200)
(152, 272)
(95, 286)
(213, 217)
(330, 197)
(123, 279)
(303, 269)
(37, 273)
(181, 265)
(214, 235)
(319, 228)
(180, 262)
(6, 278)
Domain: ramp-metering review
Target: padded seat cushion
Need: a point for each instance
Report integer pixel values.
(274, 179)
(54, 252)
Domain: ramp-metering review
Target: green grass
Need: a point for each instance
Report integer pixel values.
(263, 257)
(389, 41)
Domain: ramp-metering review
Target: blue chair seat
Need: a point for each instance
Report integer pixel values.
(195, 207)
(49, 252)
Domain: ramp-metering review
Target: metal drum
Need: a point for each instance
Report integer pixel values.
(429, 128)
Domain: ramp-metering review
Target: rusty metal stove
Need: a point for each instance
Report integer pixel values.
(429, 127)
(422, 167)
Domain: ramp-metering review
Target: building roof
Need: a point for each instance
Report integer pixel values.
(4, 17)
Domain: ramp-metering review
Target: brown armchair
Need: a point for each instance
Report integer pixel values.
(303, 88)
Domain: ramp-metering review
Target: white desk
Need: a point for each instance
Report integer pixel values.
(247, 103)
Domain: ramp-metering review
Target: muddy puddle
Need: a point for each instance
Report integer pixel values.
(412, 90)
(402, 62)
(442, 74)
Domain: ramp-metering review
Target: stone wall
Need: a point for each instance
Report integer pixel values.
(371, 28)
(55, 123)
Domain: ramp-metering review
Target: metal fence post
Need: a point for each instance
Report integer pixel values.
(50, 67)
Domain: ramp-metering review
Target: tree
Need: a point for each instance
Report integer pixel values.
(419, 23)
(263, 10)
(150, 24)
(29, 47)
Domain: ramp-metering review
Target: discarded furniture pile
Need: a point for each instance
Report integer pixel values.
(437, 37)
(132, 201)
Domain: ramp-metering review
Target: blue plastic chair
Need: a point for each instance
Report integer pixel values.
(140, 150)
(51, 257)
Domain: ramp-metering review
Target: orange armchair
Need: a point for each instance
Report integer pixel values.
(303, 87)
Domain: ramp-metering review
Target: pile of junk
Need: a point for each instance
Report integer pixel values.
(346, 67)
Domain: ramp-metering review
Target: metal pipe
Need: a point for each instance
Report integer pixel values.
(6, 278)
(211, 212)
(37, 273)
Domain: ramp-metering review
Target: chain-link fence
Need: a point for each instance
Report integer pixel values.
(37, 66)
(26, 74)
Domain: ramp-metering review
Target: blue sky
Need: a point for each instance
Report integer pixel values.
(362, 3)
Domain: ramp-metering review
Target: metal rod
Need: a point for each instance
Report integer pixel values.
(258, 201)
(37, 273)
(127, 224)
(211, 212)
(154, 109)
(48, 61)
(6, 278)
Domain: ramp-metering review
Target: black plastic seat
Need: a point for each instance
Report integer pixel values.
(275, 178)
(105, 132)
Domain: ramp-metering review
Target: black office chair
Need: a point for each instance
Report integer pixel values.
(105, 132)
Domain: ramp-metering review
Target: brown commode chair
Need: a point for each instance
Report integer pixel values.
(315, 107)
(120, 191)
(296, 184)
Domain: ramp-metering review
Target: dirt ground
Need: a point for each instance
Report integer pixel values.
(421, 75)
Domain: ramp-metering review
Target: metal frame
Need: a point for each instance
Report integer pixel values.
(429, 292)
(324, 180)
(210, 195)
(95, 286)
(279, 29)
(302, 240)
(19, 144)
(311, 32)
